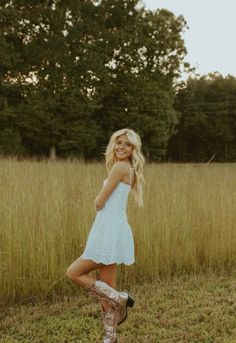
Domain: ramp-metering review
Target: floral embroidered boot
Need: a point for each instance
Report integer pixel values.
(109, 324)
(119, 300)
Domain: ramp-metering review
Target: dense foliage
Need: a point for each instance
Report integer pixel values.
(207, 128)
(72, 72)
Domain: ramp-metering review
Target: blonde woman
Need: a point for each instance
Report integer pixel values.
(110, 240)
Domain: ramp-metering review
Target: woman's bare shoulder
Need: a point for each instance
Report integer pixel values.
(119, 169)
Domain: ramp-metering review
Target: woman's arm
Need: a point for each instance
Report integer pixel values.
(117, 173)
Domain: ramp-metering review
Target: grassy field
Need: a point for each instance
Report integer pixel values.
(184, 309)
(46, 210)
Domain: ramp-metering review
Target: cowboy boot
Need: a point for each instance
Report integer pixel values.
(125, 301)
(119, 300)
(109, 324)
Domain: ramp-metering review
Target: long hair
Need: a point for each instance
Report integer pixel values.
(137, 160)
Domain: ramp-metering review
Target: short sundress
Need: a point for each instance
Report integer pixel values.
(111, 239)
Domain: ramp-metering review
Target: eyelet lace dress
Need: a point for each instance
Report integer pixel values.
(111, 239)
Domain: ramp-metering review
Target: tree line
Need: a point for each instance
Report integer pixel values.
(72, 72)
(207, 126)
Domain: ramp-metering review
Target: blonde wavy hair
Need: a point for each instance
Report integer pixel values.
(137, 160)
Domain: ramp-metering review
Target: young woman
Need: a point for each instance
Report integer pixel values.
(110, 240)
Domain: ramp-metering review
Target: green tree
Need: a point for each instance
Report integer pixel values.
(207, 125)
(141, 72)
(10, 95)
(95, 66)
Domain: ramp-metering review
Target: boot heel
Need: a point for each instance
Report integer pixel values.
(130, 301)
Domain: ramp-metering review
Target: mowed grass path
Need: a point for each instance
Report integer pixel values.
(191, 309)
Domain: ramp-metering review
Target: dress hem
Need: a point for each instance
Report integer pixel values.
(114, 262)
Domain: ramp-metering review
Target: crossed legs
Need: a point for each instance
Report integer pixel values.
(78, 272)
(114, 304)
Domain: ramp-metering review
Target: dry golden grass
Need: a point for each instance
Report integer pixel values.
(46, 210)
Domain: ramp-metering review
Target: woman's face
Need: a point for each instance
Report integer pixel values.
(123, 148)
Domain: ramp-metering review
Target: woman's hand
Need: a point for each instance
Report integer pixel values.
(96, 206)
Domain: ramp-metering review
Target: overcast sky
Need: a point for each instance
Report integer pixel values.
(211, 37)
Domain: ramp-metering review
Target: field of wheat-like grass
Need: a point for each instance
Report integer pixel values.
(187, 225)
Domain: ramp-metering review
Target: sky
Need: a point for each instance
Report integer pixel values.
(211, 37)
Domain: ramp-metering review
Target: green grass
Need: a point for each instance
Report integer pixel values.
(191, 309)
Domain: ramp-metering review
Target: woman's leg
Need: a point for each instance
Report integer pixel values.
(79, 269)
(107, 273)
(103, 289)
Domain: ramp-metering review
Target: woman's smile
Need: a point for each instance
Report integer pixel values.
(123, 148)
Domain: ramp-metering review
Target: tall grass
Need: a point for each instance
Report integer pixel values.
(188, 223)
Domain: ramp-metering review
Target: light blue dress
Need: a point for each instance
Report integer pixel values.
(110, 239)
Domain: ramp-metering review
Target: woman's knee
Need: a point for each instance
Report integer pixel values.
(72, 274)
(69, 273)
(80, 267)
